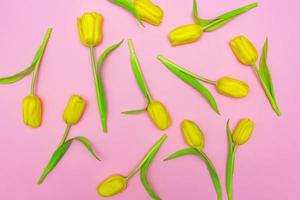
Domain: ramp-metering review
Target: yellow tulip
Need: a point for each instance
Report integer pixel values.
(32, 111)
(90, 29)
(112, 186)
(185, 34)
(192, 134)
(244, 50)
(74, 110)
(243, 131)
(232, 87)
(159, 115)
(149, 12)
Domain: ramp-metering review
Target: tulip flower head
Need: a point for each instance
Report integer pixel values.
(32, 111)
(232, 87)
(244, 50)
(74, 110)
(159, 115)
(90, 29)
(149, 12)
(243, 131)
(192, 134)
(112, 186)
(185, 34)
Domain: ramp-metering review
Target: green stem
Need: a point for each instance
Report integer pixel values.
(100, 92)
(162, 139)
(229, 172)
(65, 136)
(267, 92)
(213, 174)
(37, 65)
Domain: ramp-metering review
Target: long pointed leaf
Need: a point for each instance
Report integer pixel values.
(144, 168)
(134, 112)
(129, 6)
(105, 54)
(16, 77)
(227, 17)
(209, 165)
(37, 57)
(137, 72)
(191, 81)
(55, 158)
(266, 79)
(201, 22)
(88, 145)
(230, 162)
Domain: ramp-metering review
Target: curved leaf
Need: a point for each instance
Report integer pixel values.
(223, 19)
(106, 53)
(88, 145)
(266, 79)
(209, 165)
(55, 158)
(129, 6)
(145, 166)
(137, 72)
(134, 112)
(230, 162)
(199, 21)
(16, 77)
(191, 81)
(37, 57)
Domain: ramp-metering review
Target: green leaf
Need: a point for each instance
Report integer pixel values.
(199, 21)
(37, 57)
(137, 72)
(191, 81)
(134, 112)
(145, 166)
(88, 145)
(209, 165)
(213, 24)
(230, 162)
(105, 54)
(129, 6)
(16, 77)
(55, 158)
(266, 79)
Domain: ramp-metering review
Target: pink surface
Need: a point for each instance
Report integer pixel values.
(266, 168)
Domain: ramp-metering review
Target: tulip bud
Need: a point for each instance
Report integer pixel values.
(90, 29)
(192, 134)
(159, 115)
(32, 111)
(185, 34)
(243, 131)
(112, 186)
(244, 50)
(232, 87)
(149, 12)
(74, 110)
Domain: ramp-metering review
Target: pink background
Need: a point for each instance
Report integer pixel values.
(267, 167)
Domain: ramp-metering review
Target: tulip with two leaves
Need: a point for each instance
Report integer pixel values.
(194, 138)
(225, 85)
(90, 33)
(155, 109)
(246, 53)
(32, 104)
(143, 10)
(239, 137)
(72, 114)
(118, 183)
(192, 32)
